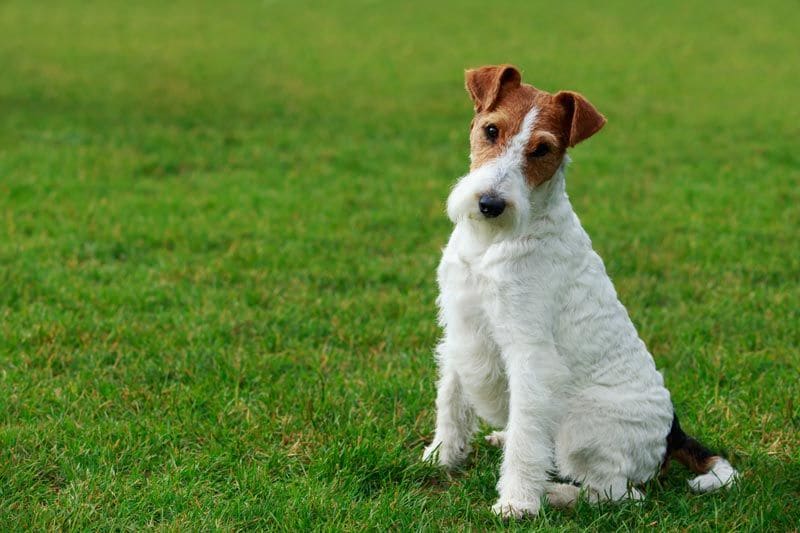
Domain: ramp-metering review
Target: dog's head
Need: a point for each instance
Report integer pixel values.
(518, 141)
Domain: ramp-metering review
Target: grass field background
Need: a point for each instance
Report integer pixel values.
(219, 225)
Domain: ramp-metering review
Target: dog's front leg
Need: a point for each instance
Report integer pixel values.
(527, 453)
(455, 422)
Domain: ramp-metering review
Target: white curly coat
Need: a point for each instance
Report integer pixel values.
(537, 344)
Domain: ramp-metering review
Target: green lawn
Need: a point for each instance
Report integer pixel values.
(219, 226)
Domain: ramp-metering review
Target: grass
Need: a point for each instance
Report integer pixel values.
(219, 226)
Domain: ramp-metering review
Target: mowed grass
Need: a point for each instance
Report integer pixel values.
(219, 226)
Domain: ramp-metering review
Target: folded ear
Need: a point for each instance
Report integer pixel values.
(583, 120)
(485, 84)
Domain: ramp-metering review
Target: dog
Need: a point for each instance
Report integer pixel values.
(535, 341)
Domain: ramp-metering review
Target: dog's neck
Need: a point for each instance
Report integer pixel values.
(549, 202)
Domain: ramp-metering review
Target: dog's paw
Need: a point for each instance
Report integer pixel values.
(446, 455)
(563, 495)
(496, 438)
(516, 509)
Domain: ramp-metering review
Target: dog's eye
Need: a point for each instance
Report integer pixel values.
(541, 149)
(491, 132)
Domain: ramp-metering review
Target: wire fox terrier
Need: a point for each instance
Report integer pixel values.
(535, 341)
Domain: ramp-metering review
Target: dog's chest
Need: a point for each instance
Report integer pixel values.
(498, 276)
(466, 288)
(465, 274)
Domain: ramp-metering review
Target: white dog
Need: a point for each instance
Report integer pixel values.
(535, 341)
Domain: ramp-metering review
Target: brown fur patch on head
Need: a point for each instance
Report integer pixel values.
(502, 101)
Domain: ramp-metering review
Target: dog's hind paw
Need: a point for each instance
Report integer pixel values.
(496, 438)
(563, 495)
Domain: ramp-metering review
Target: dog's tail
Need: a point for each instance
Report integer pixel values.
(715, 471)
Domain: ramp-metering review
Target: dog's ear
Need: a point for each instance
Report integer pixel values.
(486, 84)
(583, 120)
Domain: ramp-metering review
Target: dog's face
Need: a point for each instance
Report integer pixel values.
(518, 140)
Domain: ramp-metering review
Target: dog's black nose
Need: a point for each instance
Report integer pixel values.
(491, 206)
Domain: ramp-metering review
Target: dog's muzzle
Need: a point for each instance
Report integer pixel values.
(491, 205)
